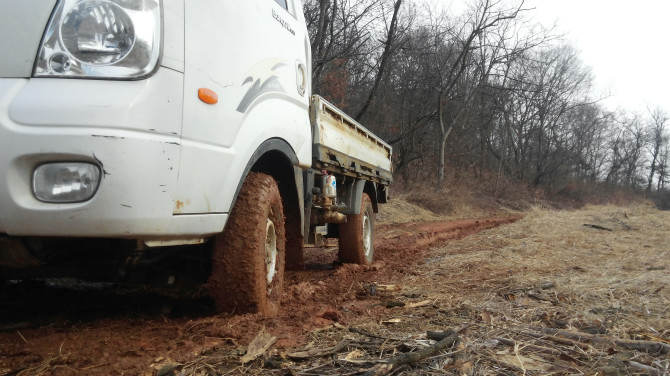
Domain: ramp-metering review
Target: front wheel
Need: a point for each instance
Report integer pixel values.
(248, 256)
(355, 235)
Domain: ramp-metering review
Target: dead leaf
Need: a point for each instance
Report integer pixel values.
(509, 296)
(259, 346)
(485, 317)
(356, 354)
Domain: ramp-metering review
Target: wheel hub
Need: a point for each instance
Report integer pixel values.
(367, 237)
(270, 251)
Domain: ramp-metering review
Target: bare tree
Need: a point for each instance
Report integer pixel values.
(663, 168)
(389, 45)
(340, 32)
(484, 92)
(658, 139)
(457, 62)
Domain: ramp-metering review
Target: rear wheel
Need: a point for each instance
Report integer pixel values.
(356, 235)
(248, 256)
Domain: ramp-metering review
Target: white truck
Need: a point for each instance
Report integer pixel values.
(147, 125)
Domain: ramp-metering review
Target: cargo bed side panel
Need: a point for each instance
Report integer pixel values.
(342, 142)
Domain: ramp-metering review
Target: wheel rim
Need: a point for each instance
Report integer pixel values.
(270, 251)
(367, 237)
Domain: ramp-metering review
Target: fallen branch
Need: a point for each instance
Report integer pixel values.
(652, 268)
(438, 336)
(559, 340)
(644, 346)
(597, 227)
(643, 367)
(413, 357)
(302, 355)
(535, 296)
(419, 304)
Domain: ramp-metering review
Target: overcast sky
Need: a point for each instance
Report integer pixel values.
(626, 43)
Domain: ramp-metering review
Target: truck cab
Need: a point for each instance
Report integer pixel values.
(147, 121)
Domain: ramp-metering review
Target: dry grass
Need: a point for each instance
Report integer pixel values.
(549, 271)
(620, 268)
(401, 209)
(545, 295)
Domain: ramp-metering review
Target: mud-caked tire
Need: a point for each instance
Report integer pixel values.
(248, 256)
(356, 235)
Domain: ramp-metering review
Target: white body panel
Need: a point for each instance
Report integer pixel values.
(132, 129)
(249, 59)
(21, 31)
(171, 163)
(97, 121)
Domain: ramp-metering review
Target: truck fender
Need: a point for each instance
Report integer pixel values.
(353, 197)
(275, 157)
(271, 145)
(354, 193)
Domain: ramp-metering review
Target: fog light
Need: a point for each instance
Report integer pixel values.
(65, 182)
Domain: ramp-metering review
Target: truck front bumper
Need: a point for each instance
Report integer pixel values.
(130, 129)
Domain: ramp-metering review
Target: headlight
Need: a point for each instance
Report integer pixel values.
(65, 182)
(101, 38)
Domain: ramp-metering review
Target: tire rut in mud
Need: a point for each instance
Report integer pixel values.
(108, 332)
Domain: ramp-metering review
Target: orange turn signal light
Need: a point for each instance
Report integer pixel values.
(208, 96)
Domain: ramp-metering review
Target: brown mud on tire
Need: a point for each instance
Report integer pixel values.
(356, 235)
(247, 260)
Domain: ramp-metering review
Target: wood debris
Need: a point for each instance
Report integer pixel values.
(315, 352)
(258, 346)
(597, 227)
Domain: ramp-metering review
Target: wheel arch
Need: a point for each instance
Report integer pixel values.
(371, 190)
(276, 158)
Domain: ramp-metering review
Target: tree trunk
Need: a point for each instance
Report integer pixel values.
(390, 39)
(444, 135)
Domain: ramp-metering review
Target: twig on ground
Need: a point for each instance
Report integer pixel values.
(23, 338)
(644, 346)
(559, 340)
(413, 357)
(315, 352)
(643, 367)
(535, 296)
(597, 227)
(535, 348)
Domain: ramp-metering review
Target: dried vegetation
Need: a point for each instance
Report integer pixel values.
(559, 292)
(582, 292)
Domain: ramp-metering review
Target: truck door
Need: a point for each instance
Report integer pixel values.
(248, 53)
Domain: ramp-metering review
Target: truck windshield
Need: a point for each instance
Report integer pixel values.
(282, 3)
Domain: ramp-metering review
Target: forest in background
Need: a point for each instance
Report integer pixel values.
(485, 100)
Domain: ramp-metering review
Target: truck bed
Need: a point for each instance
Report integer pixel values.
(343, 145)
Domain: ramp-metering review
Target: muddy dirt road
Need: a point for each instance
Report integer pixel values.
(105, 330)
